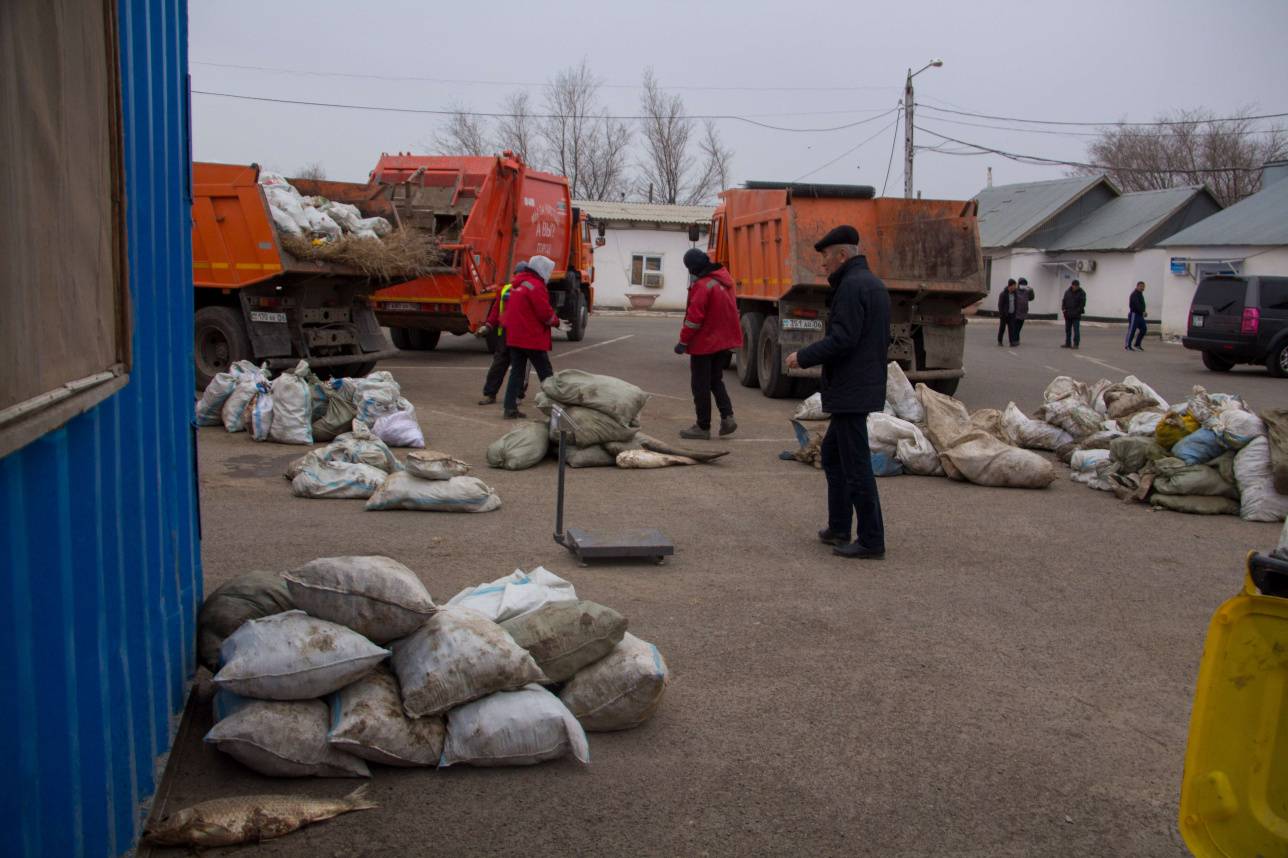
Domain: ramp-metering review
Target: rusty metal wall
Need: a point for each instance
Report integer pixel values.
(99, 562)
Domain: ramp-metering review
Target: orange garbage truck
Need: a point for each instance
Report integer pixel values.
(256, 301)
(926, 251)
(487, 214)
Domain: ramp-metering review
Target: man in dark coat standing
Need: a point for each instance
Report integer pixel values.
(853, 356)
(1073, 305)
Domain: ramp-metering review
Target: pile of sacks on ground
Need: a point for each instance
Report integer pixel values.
(297, 407)
(357, 464)
(927, 433)
(1211, 454)
(347, 661)
(601, 423)
(316, 217)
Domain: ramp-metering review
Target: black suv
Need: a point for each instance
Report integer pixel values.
(1240, 320)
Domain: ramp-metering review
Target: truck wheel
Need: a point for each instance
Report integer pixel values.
(1216, 363)
(946, 386)
(425, 341)
(774, 380)
(352, 370)
(1276, 361)
(577, 315)
(746, 358)
(221, 341)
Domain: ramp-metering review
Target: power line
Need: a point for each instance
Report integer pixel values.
(1068, 133)
(1156, 124)
(893, 140)
(1044, 161)
(467, 82)
(499, 115)
(847, 151)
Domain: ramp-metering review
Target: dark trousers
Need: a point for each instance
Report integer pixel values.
(1073, 330)
(1135, 327)
(706, 378)
(519, 359)
(1003, 326)
(851, 485)
(496, 372)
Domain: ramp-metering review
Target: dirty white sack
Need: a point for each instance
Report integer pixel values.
(1023, 431)
(1258, 500)
(811, 408)
(210, 406)
(901, 395)
(513, 728)
(515, 594)
(337, 480)
(373, 595)
(459, 494)
(368, 721)
(284, 739)
(399, 428)
(433, 465)
(621, 690)
(292, 407)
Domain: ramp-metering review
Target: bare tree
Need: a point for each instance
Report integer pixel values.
(518, 131)
(1225, 155)
(715, 167)
(464, 134)
(312, 170)
(666, 130)
(581, 141)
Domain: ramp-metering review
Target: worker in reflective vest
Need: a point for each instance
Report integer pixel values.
(500, 357)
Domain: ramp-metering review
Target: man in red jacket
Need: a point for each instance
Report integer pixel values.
(711, 328)
(528, 319)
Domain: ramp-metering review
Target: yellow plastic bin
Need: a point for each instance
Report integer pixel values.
(1234, 795)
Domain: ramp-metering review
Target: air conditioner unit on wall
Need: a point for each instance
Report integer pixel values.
(654, 280)
(1085, 265)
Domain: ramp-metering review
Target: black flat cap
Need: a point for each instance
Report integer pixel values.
(844, 234)
(696, 261)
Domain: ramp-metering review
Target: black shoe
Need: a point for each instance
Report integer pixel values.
(855, 550)
(1139, 348)
(696, 433)
(1066, 346)
(1075, 345)
(728, 425)
(999, 344)
(487, 400)
(516, 414)
(827, 537)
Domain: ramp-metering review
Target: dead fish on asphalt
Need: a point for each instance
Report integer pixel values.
(248, 818)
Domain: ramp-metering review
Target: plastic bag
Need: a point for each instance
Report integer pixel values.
(247, 597)
(1173, 427)
(337, 480)
(344, 214)
(399, 428)
(615, 397)
(918, 456)
(292, 407)
(432, 465)
(377, 226)
(292, 656)
(1258, 499)
(564, 637)
(1198, 447)
(367, 720)
(1144, 423)
(520, 448)
(209, 409)
(285, 739)
(373, 595)
(621, 690)
(234, 410)
(375, 396)
(1088, 460)
(258, 417)
(886, 465)
(1237, 427)
(457, 656)
(515, 594)
(812, 408)
(1073, 416)
(885, 433)
(459, 494)
(1022, 431)
(320, 222)
(289, 204)
(901, 395)
(513, 728)
(1064, 387)
(1135, 383)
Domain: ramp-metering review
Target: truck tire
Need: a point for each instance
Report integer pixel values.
(352, 370)
(577, 313)
(746, 357)
(401, 338)
(425, 341)
(220, 341)
(1216, 363)
(946, 386)
(774, 380)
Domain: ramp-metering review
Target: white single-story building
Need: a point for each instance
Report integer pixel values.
(1250, 237)
(1083, 228)
(643, 251)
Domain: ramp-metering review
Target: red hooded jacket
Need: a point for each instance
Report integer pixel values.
(528, 316)
(711, 322)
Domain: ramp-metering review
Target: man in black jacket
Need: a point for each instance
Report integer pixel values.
(853, 356)
(1136, 317)
(1074, 304)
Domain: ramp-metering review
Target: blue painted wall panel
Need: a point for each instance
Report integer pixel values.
(101, 559)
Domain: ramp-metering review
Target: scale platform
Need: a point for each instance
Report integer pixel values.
(645, 543)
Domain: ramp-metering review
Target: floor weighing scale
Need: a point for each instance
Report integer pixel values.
(645, 543)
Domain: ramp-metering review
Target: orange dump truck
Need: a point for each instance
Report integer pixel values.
(256, 301)
(926, 251)
(487, 214)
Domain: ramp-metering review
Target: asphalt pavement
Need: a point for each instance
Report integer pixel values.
(1014, 678)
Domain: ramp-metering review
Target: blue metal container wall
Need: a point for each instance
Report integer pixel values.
(101, 571)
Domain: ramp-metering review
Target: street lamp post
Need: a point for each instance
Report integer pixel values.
(907, 125)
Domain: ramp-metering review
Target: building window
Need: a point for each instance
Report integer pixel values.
(646, 270)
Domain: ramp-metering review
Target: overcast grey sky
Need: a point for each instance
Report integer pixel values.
(1085, 61)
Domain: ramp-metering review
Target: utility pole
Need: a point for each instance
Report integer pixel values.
(907, 137)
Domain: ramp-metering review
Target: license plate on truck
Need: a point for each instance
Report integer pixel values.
(802, 324)
(260, 316)
(399, 305)
(1196, 321)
